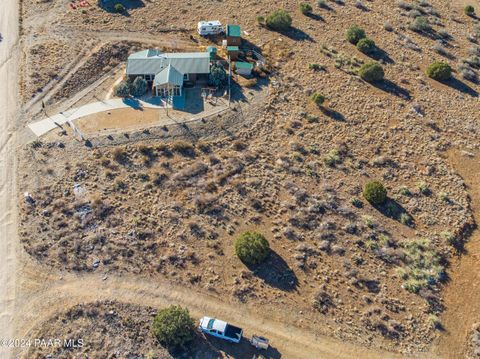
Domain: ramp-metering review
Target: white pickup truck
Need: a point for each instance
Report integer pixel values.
(220, 329)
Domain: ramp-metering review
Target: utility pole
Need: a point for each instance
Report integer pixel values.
(229, 80)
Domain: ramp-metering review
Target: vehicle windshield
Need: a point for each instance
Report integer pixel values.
(210, 323)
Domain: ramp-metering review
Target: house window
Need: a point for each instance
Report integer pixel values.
(185, 77)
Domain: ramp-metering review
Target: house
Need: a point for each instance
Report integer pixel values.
(234, 36)
(167, 73)
(243, 68)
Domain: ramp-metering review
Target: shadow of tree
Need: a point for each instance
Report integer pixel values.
(392, 88)
(109, 5)
(334, 115)
(297, 34)
(276, 273)
(327, 7)
(394, 210)
(316, 17)
(206, 346)
(133, 103)
(381, 55)
(461, 86)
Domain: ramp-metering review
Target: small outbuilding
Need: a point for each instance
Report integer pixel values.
(233, 52)
(234, 35)
(244, 68)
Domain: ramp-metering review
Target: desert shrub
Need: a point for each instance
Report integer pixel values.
(318, 99)
(305, 8)
(218, 76)
(375, 192)
(322, 4)
(444, 34)
(333, 158)
(420, 24)
(405, 219)
(173, 327)
(122, 89)
(469, 10)
(279, 20)
(434, 321)
(404, 5)
(371, 72)
(360, 5)
(119, 8)
(387, 26)
(322, 301)
(316, 67)
(423, 265)
(139, 87)
(252, 247)
(355, 34)
(414, 13)
(120, 155)
(439, 49)
(182, 147)
(467, 72)
(366, 45)
(356, 202)
(261, 20)
(439, 71)
(449, 238)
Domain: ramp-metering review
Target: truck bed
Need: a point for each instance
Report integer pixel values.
(233, 332)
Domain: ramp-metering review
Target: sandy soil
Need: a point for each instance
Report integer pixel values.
(8, 104)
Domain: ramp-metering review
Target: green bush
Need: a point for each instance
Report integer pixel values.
(261, 20)
(469, 10)
(355, 34)
(139, 87)
(375, 192)
(439, 71)
(119, 8)
(305, 8)
(252, 248)
(371, 72)
(366, 45)
(420, 24)
(318, 99)
(174, 327)
(122, 89)
(218, 76)
(279, 20)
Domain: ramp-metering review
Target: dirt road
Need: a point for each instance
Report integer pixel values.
(9, 49)
(290, 341)
(462, 294)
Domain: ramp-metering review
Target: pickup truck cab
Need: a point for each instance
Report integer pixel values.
(220, 329)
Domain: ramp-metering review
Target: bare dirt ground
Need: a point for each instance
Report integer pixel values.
(159, 217)
(462, 295)
(9, 55)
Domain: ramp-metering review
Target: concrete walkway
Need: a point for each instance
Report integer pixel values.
(42, 127)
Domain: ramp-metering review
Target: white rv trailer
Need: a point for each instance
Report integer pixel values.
(209, 28)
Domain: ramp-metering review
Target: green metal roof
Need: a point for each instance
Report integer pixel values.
(243, 65)
(232, 48)
(233, 30)
(153, 61)
(169, 75)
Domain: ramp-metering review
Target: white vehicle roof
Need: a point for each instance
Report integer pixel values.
(213, 324)
(209, 23)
